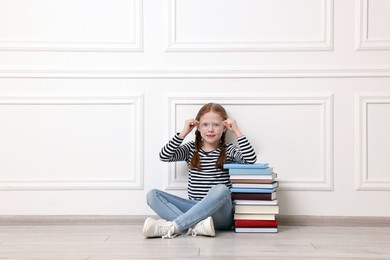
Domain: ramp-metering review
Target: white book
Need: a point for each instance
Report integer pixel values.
(255, 216)
(256, 202)
(256, 230)
(256, 209)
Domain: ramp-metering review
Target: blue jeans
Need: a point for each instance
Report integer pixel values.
(187, 213)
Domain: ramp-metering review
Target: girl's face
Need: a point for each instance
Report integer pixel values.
(211, 129)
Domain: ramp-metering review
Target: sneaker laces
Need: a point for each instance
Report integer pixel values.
(169, 235)
(192, 232)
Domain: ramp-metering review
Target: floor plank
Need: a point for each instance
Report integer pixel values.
(125, 241)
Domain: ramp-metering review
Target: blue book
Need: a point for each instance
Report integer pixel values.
(272, 185)
(245, 166)
(251, 171)
(256, 190)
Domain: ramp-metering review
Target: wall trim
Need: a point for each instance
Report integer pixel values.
(287, 220)
(362, 178)
(79, 46)
(191, 72)
(135, 181)
(362, 40)
(325, 43)
(325, 100)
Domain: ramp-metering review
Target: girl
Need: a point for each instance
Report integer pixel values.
(209, 184)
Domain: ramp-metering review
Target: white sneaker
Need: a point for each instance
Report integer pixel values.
(158, 228)
(203, 228)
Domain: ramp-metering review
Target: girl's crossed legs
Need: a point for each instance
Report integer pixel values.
(185, 213)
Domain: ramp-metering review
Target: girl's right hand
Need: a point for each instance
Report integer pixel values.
(189, 125)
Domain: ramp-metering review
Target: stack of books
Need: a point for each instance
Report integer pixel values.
(254, 196)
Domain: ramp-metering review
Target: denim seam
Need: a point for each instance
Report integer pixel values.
(168, 205)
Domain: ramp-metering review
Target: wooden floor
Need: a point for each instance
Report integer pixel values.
(125, 241)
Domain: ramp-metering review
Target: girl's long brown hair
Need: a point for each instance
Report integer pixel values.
(195, 161)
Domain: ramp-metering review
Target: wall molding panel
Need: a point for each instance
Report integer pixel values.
(91, 90)
(35, 31)
(284, 42)
(324, 102)
(364, 40)
(130, 178)
(364, 179)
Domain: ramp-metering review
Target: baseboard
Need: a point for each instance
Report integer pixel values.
(72, 219)
(342, 221)
(288, 220)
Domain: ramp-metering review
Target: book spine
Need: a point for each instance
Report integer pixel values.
(256, 202)
(250, 181)
(255, 223)
(253, 196)
(239, 216)
(255, 185)
(251, 171)
(245, 166)
(256, 230)
(257, 209)
(246, 190)
(252, 177)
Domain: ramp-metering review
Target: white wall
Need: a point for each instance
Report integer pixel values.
(91, 90)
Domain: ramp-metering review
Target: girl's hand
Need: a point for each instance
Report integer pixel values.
(232, 126)
(189, 125)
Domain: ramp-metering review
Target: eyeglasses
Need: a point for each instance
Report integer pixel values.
(207, 125)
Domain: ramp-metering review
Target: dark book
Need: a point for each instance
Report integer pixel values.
(254, 196)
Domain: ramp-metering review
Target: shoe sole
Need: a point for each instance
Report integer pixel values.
(212, 227)
(145, 227)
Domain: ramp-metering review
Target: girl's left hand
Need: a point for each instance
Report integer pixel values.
(231, 124)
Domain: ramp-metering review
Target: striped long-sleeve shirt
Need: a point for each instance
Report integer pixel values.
(200, 181)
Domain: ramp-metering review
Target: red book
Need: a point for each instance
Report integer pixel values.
(256, 223)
